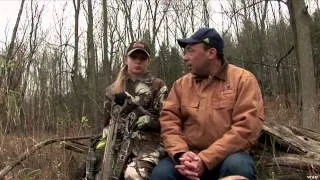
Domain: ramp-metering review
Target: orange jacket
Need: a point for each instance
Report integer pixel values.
(213, 117)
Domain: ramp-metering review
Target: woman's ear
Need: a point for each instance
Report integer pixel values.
(125, 60)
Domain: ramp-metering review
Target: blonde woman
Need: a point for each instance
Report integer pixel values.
(147, 91)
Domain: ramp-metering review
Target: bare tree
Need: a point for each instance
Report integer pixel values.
(106, 63)
(126, 7)
(205, 13)
(10, 53)
(156, 23)
(116, 41)
(91, 69)
(300, 23)
(75, 69)
(180, 9)
(260, 15)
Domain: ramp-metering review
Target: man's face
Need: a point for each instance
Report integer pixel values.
(197, 59)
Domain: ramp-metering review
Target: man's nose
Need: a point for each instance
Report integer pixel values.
(185, 58)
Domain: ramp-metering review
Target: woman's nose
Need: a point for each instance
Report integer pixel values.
(138, 60)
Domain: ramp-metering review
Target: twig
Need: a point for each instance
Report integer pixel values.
(73, 148)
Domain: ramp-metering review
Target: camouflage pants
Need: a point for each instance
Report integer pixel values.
(140, 164)
(140, 168)
(146, 154)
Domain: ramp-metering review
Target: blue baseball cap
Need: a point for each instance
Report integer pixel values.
(205, 35)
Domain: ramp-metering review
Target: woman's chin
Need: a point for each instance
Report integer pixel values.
(137, 73)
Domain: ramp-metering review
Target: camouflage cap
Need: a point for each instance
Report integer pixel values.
(138, 45)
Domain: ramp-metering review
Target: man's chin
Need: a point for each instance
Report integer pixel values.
(202, 75)
(195, 73)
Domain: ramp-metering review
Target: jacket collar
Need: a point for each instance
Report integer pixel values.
(222, 73)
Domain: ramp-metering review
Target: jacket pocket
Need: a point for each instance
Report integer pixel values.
(190, 103)
(190, 108)
(224, 100)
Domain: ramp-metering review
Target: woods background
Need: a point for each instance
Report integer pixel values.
(52, 82)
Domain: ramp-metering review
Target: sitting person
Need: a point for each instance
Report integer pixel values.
(212, 116)
(147, 92)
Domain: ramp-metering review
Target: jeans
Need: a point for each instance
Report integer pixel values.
(240, 163)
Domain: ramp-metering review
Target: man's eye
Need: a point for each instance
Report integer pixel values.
(184, 51)
(187, 50)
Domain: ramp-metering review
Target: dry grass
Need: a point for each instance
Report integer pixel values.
(276, 110)
(50, 162)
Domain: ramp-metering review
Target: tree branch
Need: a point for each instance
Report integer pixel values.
(283, 57)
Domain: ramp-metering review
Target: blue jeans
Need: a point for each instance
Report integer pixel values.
(240, 163)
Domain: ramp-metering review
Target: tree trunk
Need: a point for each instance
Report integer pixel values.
(205, 13)
(107, 75)
(300, 23)
(75, 75)
(91, 75)
(10, 53)
(75, 69)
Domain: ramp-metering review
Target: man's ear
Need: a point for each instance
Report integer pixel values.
(212, 53)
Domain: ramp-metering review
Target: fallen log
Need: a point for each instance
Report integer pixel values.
(294, 161)
(297, 139)
(287, 148)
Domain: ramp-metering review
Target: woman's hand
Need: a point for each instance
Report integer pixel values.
(143, 121)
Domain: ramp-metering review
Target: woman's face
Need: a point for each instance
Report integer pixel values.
(137, 62)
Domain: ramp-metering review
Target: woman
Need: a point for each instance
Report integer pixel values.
(143, 89)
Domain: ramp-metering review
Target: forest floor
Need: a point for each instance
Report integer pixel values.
(51, 162)
(56, 163)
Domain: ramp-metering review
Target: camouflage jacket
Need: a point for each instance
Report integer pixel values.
(148, 91)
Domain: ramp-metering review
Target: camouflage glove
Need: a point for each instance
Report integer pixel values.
(101, 144)
(103, 140)
(143, 121)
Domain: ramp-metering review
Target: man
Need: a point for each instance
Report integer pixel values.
(212, 116)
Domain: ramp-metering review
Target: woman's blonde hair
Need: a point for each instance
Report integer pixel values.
(119, 84)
